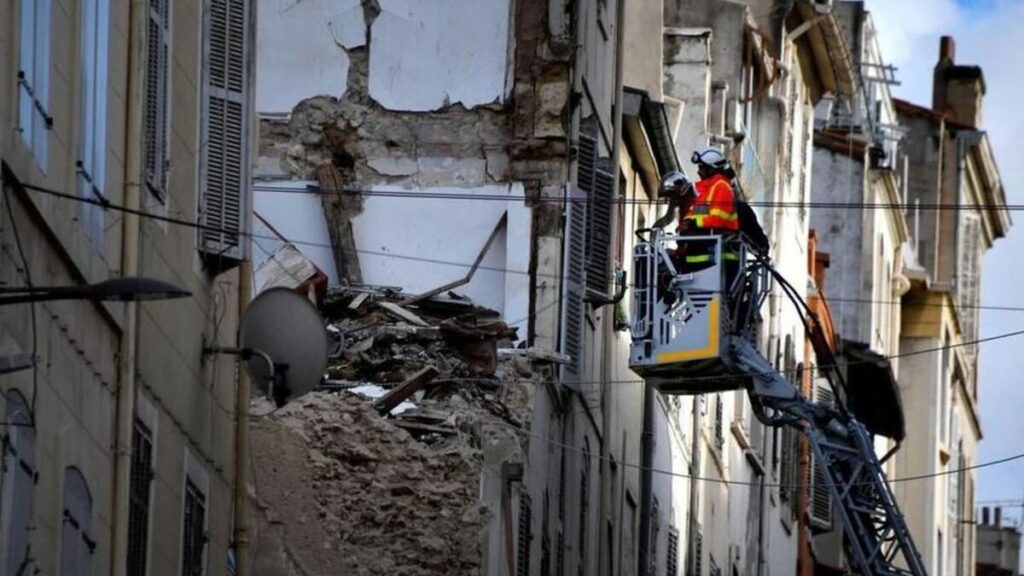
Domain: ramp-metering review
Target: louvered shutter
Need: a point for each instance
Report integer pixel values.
(155, 107)
(672, 553)
(573, 286)
(597, 184)
(697, 554)
(524, 536)
(599, 227)
(225, 134)
(820, 499)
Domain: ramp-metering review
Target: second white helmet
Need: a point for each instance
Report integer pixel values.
(710, 156)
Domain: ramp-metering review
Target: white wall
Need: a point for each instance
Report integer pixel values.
(419, 243)
(298, 217)
(426, 54)
(301, 47)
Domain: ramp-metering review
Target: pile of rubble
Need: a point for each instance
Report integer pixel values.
(379, 472)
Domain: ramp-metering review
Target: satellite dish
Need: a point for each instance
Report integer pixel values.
(282, 328)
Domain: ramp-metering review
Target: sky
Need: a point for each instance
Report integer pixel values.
(986, 34)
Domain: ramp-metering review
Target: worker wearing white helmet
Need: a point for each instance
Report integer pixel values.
(707, 206)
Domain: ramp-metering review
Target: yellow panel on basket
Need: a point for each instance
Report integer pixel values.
(708, 351)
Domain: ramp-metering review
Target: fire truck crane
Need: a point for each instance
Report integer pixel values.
(694, 332)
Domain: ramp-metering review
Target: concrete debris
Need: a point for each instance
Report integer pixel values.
(380, 471)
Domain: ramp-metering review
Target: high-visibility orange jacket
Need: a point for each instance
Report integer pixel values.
(715, 206)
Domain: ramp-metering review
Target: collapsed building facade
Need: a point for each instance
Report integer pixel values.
(503, 154)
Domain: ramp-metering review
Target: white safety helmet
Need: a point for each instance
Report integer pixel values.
(672, 181)
(710, 156)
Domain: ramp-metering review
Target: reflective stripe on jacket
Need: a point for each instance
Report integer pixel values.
(715, 205)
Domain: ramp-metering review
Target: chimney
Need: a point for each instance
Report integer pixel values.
(947, 49)
(957, 90)
(984, 516)
(999, 516)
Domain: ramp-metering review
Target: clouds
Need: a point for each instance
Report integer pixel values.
(987, 34)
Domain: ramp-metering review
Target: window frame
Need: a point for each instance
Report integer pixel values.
(156, 131)
(91, 169)
(34, 121)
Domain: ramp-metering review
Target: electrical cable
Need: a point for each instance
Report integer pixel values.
(712, 480)
(254, 236)
(420, 195)
(198, 226)
(32, 310)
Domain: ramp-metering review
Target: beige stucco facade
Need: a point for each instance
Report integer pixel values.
(101, 366)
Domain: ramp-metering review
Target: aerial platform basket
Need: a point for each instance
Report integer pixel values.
(685, 314)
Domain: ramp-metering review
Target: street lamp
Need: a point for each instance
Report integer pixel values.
(127, 289)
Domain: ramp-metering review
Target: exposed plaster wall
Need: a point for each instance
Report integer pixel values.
(303, 49)
(427, 55)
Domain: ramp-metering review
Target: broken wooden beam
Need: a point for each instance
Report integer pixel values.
(386, 403)
(339, 208)
(403, 314)
(419, 428)
(538, 354)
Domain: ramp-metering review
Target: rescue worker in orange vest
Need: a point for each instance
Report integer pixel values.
(706, 207)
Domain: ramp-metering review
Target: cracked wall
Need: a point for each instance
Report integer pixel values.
(468, 97)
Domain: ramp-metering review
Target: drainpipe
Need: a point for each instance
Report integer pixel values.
(242, 393)
(130, 232)
(608, 321)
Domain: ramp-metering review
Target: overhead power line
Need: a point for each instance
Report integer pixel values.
(419, 195)
(713, 480)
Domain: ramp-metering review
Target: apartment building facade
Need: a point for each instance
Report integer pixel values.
(124, 129)
(551, 123)
(951, 164)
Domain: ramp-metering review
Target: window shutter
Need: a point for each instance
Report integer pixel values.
(672, 553)
(524, 535)
(697, 554)
(573, 286)
(599, 226)
(820, 498)
(967, 282)
(225, 171)
(597, 185)
(156, 98)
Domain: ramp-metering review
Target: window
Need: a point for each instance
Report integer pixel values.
(155, 106)
(525, 535)
(77, 544)
(93, 142)
(194, 531)
(34, 77)
(224, 162)
(138, 504)
(19, 478)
